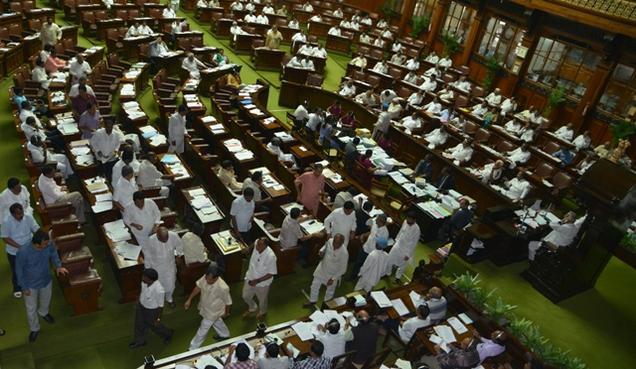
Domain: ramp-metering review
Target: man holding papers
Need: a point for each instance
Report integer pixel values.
(159, 254)
(331, 268)
(143, 217)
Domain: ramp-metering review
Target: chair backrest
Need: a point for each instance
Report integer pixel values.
(562, 180)
(101, 15)
(314, 79)
(482, 136)
(464, 70)
(377, 54)
(461, 101)
(15, 29)
(373, 80)
(471, 127)
(259, 42)
(358, 75)
(447, 78)
(121, 13)
(477, 91)
(133, 13)
(551, 147)
(504, 146)
(395, 73)
(34, 24)
(544, 170)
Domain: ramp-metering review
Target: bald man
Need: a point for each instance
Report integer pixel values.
(159, 254)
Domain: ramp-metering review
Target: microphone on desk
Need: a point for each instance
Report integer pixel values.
(149, 361)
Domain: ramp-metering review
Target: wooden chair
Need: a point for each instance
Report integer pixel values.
(379, 189)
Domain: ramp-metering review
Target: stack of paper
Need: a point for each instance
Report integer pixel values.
(127, 250)
(81, 150)
(399, 307)
(170, 159)
(381, 299)
(208, 119)
(244, 155)
(445, 333)
(303, 331)
(102, 206)
(117, 231)
(128, 89)
(312, 226)
(457, 325)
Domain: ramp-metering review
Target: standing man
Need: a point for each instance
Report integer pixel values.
(273, 38)
(310, 187)
(214, 305)
(258, 278)
(17, 231)
(242, 213)
(402, 252)
(148, 310)
(143, 217)
(159, 254)
(331, 268)
(34, 276)
(50, 33)
(342, 221)
(105, 143)
(177, 130)
(15, 192)
(378, 231)
(374, 267)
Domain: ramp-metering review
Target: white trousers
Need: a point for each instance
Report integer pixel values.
(219, 326)
(533, 246)
(37, 304)
(364, 284)
(315, 289)
(260, 293)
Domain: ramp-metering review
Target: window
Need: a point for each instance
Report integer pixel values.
(424, 8)
(620, 94)
(501, 40)
(458, 21)
(558, 62)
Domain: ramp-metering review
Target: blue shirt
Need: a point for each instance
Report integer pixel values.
(21, 231)
(32, 266)
(17, 100)
(565, 155)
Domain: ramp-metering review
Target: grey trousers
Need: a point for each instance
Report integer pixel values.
(37, 303)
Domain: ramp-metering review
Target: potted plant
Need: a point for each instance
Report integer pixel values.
(556, 98)
(419, 24)
(388, 9)
(499, 311)
(622, 129)
(493, 67)
(451, 44)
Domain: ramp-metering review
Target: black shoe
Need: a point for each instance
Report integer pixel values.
(309, 304)
(172, 304)
(33, 336)
(168, 338)
(48, 318)
(219, 338)
(133, 345)
(2, 332)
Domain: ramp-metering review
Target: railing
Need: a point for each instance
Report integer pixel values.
(622, 9)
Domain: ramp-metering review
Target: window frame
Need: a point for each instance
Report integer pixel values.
(466, 12)
(510, 54)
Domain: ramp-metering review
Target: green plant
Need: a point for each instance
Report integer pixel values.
(622, 129)
(419, 24)
(493, 67)
(388, 9)
(466, 282)
(499, 310)
(629, 242)
(451, 44)
(556, 98)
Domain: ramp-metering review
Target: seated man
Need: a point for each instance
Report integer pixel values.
(490, 172)
(381, 67)
(150, 176)
(562, 235)
(52, 193)
(494, 98)
(40, 154)
(429, 84)
(565, 132)
(434, 107)
(193, 65)
(348, 89)
(411, 122)
(462, 153)
(518, 187)
(518, 156)
(228, 177)
(460, 219)
(416, 98)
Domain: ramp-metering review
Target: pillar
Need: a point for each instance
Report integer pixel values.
(437, 20)
(407, 14)
(472, 39)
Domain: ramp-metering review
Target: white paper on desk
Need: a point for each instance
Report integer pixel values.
(435, 339)
(402, 364)
(205, 360)
(465, 318)
(399, 307)
(319, 317)
(208, 119)
(197, 192)
(339, 301)
(445, 333)
(384, 367)
(381, 299)
(82, 150)
(303, 330)
(312, 226)
(128, 251)
(294, 351)
(457, 325)
(416, 299)
(102, 206)
(104, 197)
(201, 202)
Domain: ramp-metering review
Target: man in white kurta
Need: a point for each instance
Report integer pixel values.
(402, 252)
(374, 268)
(177, 130)
(562, 235)
(214, 305)
(193, 249)
(331, 268)
(14, 193)
(342, 221)
(192, 65)
(436, 137)
(143, 217)
(519, 156)
(124, 189)
(518, 187)
(159, 254)
(461, 153)
(150, 176)
(105, 143)
(258, 278)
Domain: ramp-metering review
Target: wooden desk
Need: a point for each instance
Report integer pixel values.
(304, 155)
(268, 59)
(91, 197)
(296, 75)
(221, 28)
(338, 44)
(242, 44)
(211, 218)
(231, 251)
(181, 171)
(83, 170)
(130, 49)
(207, 14)
(103, 25)
(320, 29)
(273, 186)
(127, 272)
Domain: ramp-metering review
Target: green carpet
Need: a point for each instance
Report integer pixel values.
(596, 325)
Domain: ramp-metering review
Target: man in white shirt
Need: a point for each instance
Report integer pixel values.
(429, 84)
(124, 189)
(149, 176)
(374, 268)
(366, 98)
(434, 107)
(490, 172)
(565, 132)
(509, 105)
(41, 154)
(462, 153)
(411, 122)
(52, 193)
(298, 37)
(334, 31)
(333, 338)
(401, 253)
(407, 328)
(148, 310)
(331, 268)
(518, 187)
(250, 17)
(462, 84)
(133, 30)
(494, 98)
(381, 67)
(582, 141)
(291, 233)
(411, 78)
(242, 213)
(127, 157)
(513, 126)
(14, 193)
(348, 89)
(258, 278)
(143, 217)
(412, 64)
(307, 63)
(144, 30)
(519, 156)
(342, 221)
(445, 62)
(319, 51)
(479, 110)
(168, 13)
(294, 62)
(236, 5)
(562, 235)
(193, 66)
(398, 58)
(214, 305)
(436, 137)
(432, 58)
(307, 7)
(105, 144)
(159, 254)
(416, 98)
(50, 33)
(79, 68)
(177, 130)
(377, 231)
(306, 49)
